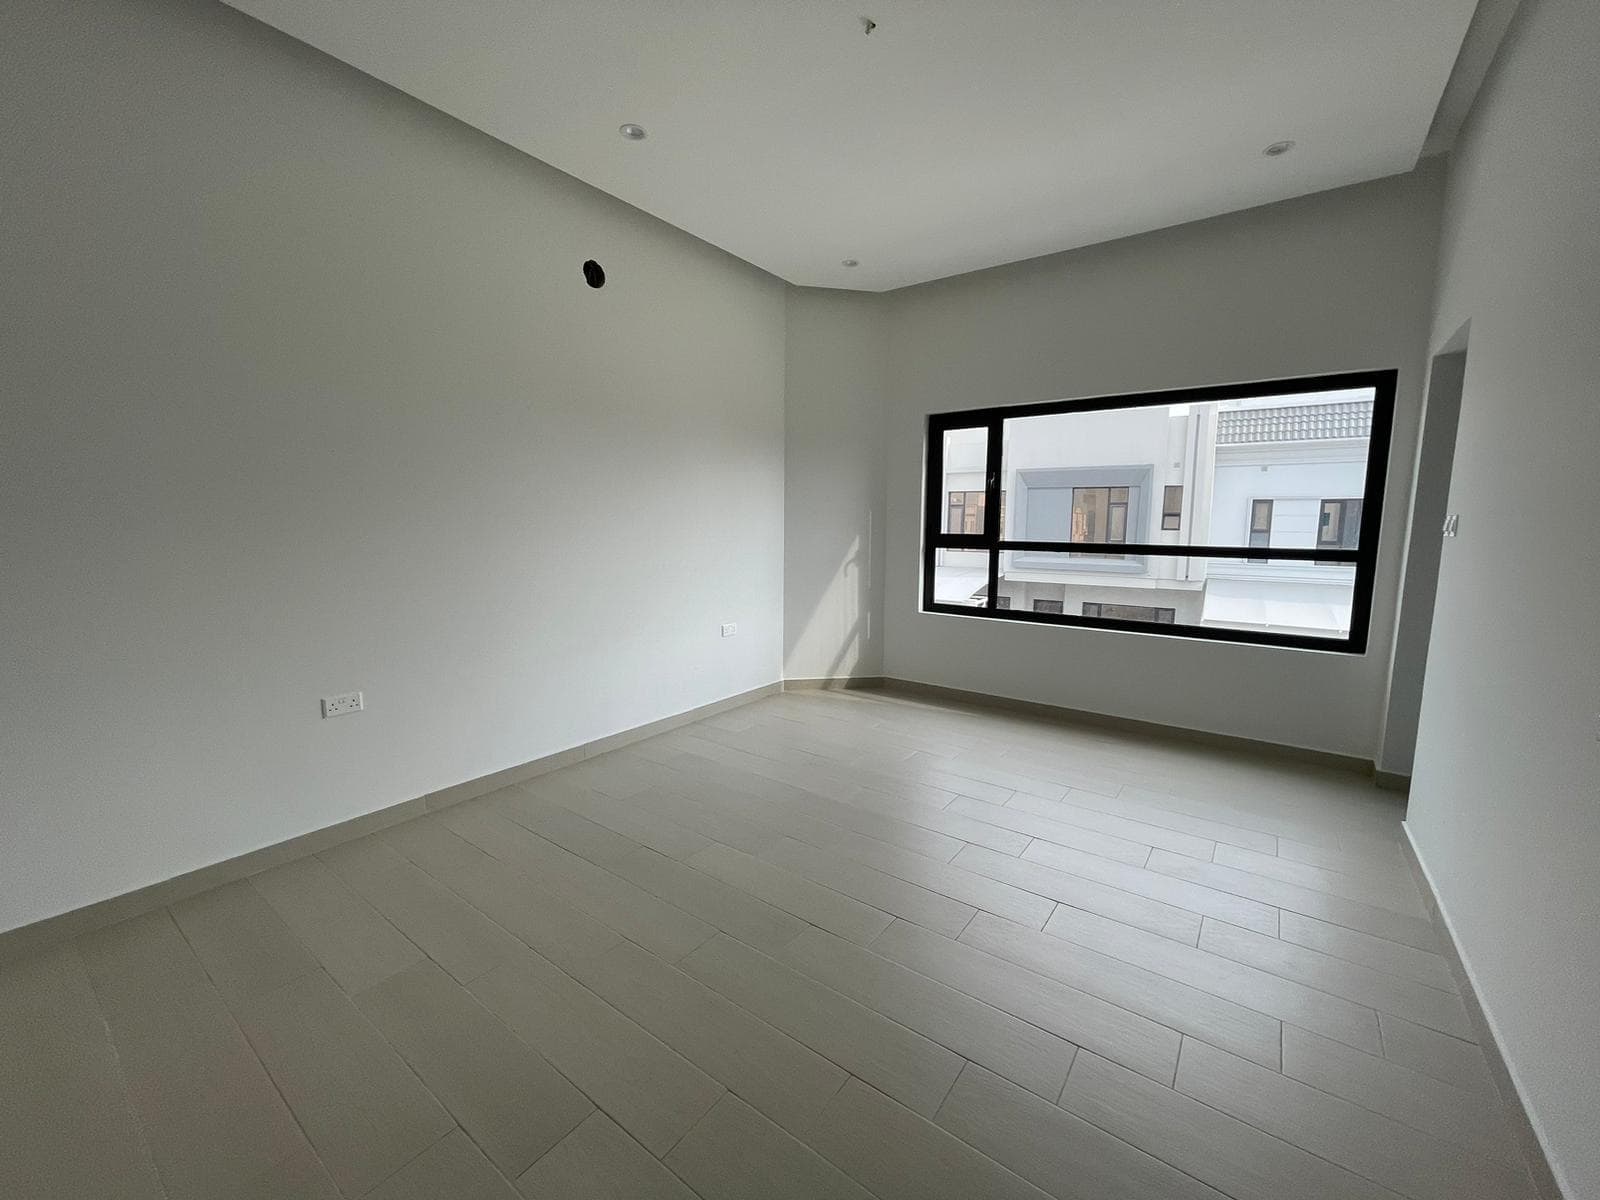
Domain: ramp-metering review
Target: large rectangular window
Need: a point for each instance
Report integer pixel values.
(1196, 513)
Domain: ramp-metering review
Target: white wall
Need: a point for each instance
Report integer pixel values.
(1505, 801)
(1430, 500)
(1335, 282)
(833, 485)
(302, 391)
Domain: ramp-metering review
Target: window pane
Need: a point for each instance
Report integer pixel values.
(1308, 599)
(1299, 598)
(961, 577)
(1061, 582)
(1293, 449)
(965, 479)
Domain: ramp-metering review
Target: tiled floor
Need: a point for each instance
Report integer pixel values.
(825, 945)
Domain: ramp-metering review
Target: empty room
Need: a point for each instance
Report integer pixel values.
(780, 600)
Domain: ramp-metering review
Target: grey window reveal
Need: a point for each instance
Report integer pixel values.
(1100, 506)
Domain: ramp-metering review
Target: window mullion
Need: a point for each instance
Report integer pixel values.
(991, 508)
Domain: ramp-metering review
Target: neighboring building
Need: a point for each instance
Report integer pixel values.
(1285, 472)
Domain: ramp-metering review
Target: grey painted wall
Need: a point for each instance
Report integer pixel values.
(302, 392)
(1505, 803)
(833, 484)
(1335, 282)
(1430, 496)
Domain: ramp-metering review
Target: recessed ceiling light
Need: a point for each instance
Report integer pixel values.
(850, 262)
(1278, 149)
(634, 133)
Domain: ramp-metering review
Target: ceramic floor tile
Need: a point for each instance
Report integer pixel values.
(766, 1067)
(1396, 1156)
(598, 1161)
(1176, 1005)
(512, 1102)
(1059, 1152)
(1059, 960)
(653, 1092)
(1005, 1044)
(898, 1061)
(823, 907)
(1073, 1015)
(209, 1112)
(66, 1124)
(1221, 1151)
(734, 912)
(243, 945)
(1141, 912)
(364, 1111)
(352, 941)
(451, 1169)
(735, 1153)
(897, 1155)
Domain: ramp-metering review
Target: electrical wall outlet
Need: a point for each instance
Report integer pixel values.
(729, 628)
(338, 706)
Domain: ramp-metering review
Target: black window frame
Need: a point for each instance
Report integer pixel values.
(992, 419)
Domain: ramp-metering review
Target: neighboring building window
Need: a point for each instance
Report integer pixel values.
(966, 513)
(1172, 506)
(1130, 612)
(1100, 514)
(1260, 527)
(1082, 493)
(1002, 602)
(1339, 527)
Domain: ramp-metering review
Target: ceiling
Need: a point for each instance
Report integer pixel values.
(958, 134)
